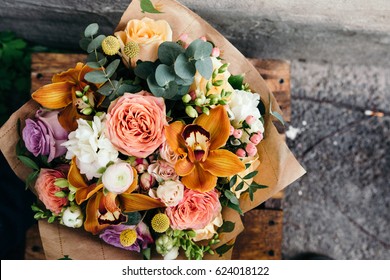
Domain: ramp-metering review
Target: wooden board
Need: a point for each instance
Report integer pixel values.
(262, 237)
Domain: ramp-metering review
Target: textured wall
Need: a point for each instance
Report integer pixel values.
(340, 31)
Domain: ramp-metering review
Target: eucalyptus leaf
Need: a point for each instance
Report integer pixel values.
(123, 88)
(154, 87)
(84, 42)
(184, 68)
(106, 90)
(184, 82)
(205, 67)
(93, 65)
(164, 74)
(91, 30)
(144, 69)
(171, 90)
(181, 90)
(111, 68)
(96, 77)
(133, 218)
(168, 52)
(95, 57)
(95, 43)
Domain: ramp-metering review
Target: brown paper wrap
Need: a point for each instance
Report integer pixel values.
(278, 167)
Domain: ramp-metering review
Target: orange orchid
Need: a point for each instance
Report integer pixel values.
(106, 208)
(61, 94)
(201, 161)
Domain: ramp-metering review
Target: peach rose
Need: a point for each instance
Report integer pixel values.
(148, 34)
(209, 230)
(46, 189)
(135, 123)
(162, 171)
(195, 211)
(167, 154)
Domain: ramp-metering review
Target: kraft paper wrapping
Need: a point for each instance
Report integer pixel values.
(278, 167)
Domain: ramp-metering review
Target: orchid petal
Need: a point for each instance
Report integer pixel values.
(68, 118)
(173, 136)
(54, 96)
(222, 163)
(138, 202)
(183, 167)
(218, 124)
(110, 203)
(71, 75)
(74, 176)
(200, 180)
(91, 223)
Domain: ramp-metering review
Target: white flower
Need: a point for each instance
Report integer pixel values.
(169, 192)
(208, 231)
(172, 254)
(90, 146)
(72, 217)
(118, 177)
(242, 105)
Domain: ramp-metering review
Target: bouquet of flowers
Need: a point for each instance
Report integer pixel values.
(155, 142)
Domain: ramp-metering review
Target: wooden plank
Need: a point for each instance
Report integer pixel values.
(262, 237)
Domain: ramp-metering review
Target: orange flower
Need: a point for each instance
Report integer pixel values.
(106, 208)
(201, 161)
(61, 93)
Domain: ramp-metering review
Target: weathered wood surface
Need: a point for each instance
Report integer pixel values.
(262, 237)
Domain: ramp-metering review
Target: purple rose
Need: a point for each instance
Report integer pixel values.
(111, 236)
(44, 135)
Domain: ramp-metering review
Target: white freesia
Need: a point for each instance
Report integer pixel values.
(169, 192)
(242, 105)
(90, 146)
(72, 217)
(118, 177)
(208, 231)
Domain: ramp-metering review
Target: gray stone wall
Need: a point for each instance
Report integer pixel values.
(335, 31)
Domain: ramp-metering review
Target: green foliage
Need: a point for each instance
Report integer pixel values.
(172, 74)
(227, 226)
(15, 60)
(106, 67)
(147, 7)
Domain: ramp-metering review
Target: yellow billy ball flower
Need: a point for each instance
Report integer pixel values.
(128, 237)
(160, 223)
(110, 45)
(131, 49)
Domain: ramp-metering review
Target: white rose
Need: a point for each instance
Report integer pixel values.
(118, 177)
(209, 230)
(169, 192)
(72, 217)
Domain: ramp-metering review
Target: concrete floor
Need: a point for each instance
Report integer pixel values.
(341, 207)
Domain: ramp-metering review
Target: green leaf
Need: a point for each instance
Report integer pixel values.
(60, 194)
(147, 7)
(93, 64)
(51, 219)
(184, 68)
(233, 181)
(171, 90)
(28, 162)
(250, 175)
(239, 186)
(128, 88)
(261, 107)
(84, 42)
(235, 207)
(168, 52)
(275, 114)
(133, 218)
(35, 208)
(91, 30)
(144, 69)
(61, 182)
(205, 67)
(236, 81)
(255, 185)
(232, 197)
(181, 90)
(154, 87)
(227, 226)
(164, 75)
(199, 49)
(30, 178)
(95, 43)
(111, 68)
(96, 77)
(223, 249)
(146, 253)
(106, 90)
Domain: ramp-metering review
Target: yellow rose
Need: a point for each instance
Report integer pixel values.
(199, 85)
(254, 163)
(148, 34)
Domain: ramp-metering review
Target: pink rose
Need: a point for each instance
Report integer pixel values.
(195, 211)
(167, 154)
(46, 189)
(135, 123)
(162, 171)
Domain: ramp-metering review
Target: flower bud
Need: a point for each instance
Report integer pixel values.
(87, 111)
(203, 38)
(85, 99)
(251, 149)
(186, 98)
(250, 119)
(215, 52)
(191, 112)
(256, 138)
(72, 217)
(118, 177)
(110, 45)
(206, 110)
(241, 152)
(237, 133)
(146, 181)
(79, 94)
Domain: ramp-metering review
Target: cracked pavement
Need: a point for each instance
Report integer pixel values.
(341, 207)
